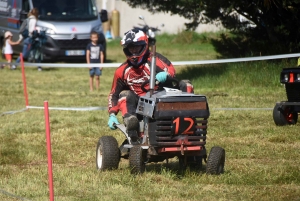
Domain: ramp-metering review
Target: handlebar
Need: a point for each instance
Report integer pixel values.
(145, 28)
(169, 79)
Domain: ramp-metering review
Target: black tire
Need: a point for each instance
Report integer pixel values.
(1, 47)
(137, 158)
(216, 161)
(182, 163)
(195, 162)
(31, 57)
(284, 115)
(107, 153)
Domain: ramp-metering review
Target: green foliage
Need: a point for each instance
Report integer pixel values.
(274, 22)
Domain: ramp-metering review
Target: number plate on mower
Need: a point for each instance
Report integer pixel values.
(183, 125)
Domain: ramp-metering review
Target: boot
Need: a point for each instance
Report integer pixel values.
(132, 126)
(132, 123)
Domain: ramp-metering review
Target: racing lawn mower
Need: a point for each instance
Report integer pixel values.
(172, 124)
(286, 112)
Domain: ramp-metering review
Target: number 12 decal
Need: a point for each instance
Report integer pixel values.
(182, 125)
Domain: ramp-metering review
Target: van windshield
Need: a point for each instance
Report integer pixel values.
(66, 10)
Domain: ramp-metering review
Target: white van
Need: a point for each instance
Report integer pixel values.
(67, 24)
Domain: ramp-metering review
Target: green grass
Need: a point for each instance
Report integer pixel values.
(261, 158)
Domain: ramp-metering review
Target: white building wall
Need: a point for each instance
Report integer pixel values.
(129, 17)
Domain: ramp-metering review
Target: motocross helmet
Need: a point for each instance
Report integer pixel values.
(135, 37)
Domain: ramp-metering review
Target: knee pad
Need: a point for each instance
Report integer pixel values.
(186, 86)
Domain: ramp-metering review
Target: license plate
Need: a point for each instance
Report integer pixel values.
(75, 52)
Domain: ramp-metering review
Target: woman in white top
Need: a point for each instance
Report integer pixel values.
(8, 50)
(32, 20)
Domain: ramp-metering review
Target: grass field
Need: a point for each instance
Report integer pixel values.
(262, 159)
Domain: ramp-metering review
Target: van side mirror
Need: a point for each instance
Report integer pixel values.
(23, 15)
(103, 15)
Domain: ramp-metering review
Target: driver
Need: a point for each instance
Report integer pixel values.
(129, 76)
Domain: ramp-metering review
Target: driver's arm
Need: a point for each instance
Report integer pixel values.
(163, 64)
(118, 85)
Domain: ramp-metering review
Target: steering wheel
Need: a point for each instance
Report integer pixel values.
(78, 10)
(170, 82)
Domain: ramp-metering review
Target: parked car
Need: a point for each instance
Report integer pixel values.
(67, 25)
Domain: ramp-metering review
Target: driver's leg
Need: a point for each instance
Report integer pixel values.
(128, 101)
(186, 86)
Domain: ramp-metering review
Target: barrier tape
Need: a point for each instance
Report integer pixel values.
(12, 195)
(105, 108)
(12, 112)
(71, 108)
(179, 63)
(175, 63)
(242, 109)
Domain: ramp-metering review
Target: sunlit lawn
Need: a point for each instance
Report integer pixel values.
(261, 158)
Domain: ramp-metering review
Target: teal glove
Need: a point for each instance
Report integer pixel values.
(112, 120)
(161, 76)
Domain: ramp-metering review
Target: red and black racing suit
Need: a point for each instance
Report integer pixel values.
(126, 86)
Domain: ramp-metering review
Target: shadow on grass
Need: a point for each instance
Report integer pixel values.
(246, 46)
(174, 168)
(193, 72)
(10, 152)
(111, 61)
(49, 69)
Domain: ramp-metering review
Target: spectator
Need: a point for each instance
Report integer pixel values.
(94, 54)
(32, 20)
(8, 50)
(128, 78)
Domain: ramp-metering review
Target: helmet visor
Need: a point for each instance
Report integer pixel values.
(134, 50)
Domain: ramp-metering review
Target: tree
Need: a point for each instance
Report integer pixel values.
(273, 21)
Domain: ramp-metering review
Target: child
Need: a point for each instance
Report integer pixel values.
(94, 54)
(8, 50)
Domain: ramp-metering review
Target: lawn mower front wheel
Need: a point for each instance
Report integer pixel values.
(107, 153)
(216, 161)
(137, 158)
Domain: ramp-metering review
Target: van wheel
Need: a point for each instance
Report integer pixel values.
(30, 57)
(1, 46)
